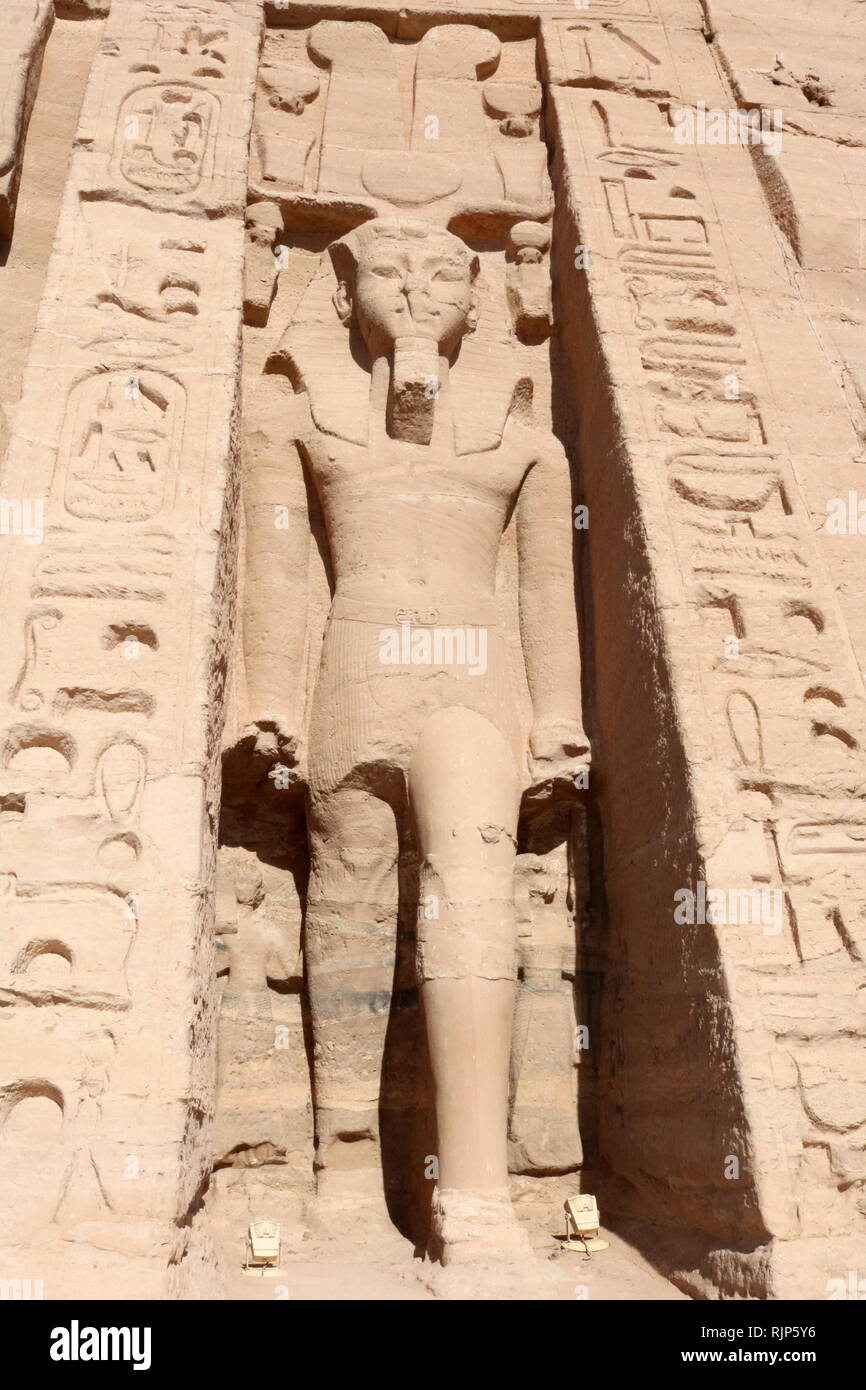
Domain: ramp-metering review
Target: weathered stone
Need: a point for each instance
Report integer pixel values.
(408, 389)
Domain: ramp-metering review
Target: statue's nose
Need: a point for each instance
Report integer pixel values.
(412, 283)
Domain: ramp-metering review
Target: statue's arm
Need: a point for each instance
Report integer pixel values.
(548, 617)
(275, 575)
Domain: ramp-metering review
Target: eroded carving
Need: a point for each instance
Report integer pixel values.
(409, 297)
(120, 445)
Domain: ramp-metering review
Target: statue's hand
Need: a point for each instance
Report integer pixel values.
(277, 744)
(559, 758)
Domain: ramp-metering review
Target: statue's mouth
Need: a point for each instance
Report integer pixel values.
(417, 315)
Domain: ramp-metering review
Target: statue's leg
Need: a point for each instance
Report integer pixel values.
(349, 946)
(464, 792)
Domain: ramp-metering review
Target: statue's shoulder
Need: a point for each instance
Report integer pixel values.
(280, 412)
(533, 442)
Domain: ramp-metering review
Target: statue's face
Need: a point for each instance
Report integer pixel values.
(412, 286)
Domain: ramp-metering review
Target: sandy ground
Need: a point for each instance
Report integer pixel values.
(334, 1275)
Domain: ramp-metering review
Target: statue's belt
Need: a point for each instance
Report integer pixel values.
(382, 614)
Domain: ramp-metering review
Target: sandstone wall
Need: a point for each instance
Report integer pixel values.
(170, 170)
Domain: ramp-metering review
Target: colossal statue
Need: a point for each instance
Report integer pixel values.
(413, 727)
(304, 922)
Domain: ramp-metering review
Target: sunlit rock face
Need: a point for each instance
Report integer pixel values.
(431, 705)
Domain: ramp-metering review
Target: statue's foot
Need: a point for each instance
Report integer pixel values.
(480, 1250)
(470, 1224)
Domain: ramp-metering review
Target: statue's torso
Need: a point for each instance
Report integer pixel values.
(414, 533)
(412, 521)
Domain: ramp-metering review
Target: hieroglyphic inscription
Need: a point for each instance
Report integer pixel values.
(783, 699)
(106, 679)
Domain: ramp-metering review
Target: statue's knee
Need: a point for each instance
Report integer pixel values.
(464, 788)
(466, 922)
(463, 884)
(351, 820)
(456, 737)
(457, 946)
(354, 854)
(350, 877)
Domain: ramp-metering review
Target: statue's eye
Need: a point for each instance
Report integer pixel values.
(448, 272)
(387, 272)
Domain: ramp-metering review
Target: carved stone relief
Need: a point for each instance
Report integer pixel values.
(431, 708)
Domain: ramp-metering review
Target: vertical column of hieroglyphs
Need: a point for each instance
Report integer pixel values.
(116, 596)
(769, 700)
(813, 171)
